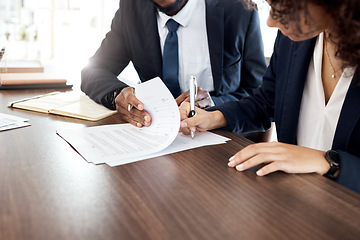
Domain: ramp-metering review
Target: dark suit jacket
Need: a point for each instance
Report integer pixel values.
(235, 46)
(279, 99)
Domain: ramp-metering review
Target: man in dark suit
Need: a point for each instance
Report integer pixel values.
(219, 42)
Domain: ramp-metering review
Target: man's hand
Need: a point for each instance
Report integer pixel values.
(131, 109)
(203, 98)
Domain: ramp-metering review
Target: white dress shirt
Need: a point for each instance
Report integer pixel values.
(318, 120)
(194, 57)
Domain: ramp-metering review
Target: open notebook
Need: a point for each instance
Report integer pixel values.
(70, 104)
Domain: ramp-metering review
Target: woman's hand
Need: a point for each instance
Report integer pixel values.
(280, 157)
(202, 121)
(131, 109)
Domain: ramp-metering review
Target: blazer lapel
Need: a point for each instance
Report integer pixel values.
(349, 115)
(152, 43)
(215, 33)
(298, 64)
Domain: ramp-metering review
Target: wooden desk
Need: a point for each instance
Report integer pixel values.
(47, 191)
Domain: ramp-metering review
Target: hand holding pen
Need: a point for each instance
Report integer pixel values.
(197, 119)
(193, 92)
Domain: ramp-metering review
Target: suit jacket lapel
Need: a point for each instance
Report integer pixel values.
(298, 64)
(349, 115)
(152, 43)
(215, 33)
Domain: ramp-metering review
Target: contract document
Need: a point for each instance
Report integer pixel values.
(124, 143)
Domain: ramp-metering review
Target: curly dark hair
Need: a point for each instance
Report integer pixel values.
(345, 26)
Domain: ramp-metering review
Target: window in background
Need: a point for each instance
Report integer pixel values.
(268, 34)
(65, 33)
(57, 32)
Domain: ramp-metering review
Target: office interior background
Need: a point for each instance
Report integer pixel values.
(64, 34)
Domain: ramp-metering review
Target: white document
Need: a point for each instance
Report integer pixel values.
(123, 143)
(181, 143)
(8, 122)
(110, 142)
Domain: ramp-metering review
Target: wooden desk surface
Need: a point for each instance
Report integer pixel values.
(47, 191)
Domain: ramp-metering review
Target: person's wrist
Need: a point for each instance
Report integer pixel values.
(109, 99)
(218, 120)
(115, 94)
(333, 159)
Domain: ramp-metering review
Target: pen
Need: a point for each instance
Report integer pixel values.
(193, 93)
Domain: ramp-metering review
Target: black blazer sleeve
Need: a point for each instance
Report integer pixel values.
(349, 175)
(99, 77)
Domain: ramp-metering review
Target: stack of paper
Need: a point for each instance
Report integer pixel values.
(123, 143)
(8, 122)
(32, 80)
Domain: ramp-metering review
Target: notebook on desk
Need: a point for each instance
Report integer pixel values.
(69, 104)
(32, 80)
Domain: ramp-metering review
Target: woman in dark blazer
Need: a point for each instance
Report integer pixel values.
(311, 90)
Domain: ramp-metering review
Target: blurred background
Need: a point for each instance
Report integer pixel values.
(64, 34)
(59, 33)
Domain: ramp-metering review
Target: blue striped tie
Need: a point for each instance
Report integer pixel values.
(171, 59)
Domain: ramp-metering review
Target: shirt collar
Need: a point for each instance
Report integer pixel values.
(183, 17)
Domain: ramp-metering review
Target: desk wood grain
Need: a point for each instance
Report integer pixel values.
(47, 191)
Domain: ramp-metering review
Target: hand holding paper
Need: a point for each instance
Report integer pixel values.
(124, 143)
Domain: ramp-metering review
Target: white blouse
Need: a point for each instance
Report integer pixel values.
(317, 120)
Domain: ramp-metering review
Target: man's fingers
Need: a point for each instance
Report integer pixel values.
(133, 122)
(135, 116)
(132, 101)
(140, 116)
(127, 100)
(131, 109)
